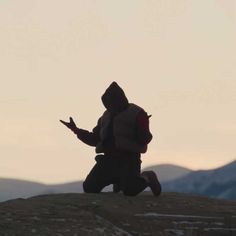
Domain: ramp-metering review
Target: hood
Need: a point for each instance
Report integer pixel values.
(114, 98)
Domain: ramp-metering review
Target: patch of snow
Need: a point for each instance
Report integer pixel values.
(218, 223)
(116, 228)
(197, 223)
(225, 229)
(191, 228)
(58, 219)
(177, 232)
(100, 230)
(126, 224)
(36, 218)
(189, 222)
(33, 230)
(153, 214)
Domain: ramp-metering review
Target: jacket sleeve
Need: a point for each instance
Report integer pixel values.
(144, 135)
(89, 138)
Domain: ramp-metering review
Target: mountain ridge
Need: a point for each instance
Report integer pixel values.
(219, 182)
(15, 188)
(168, 172)
(182, 180)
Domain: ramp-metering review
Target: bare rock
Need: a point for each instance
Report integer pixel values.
(114, 214)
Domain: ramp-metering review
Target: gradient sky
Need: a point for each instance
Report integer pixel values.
(176, 59)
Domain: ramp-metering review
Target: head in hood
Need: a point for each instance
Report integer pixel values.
(114, 98)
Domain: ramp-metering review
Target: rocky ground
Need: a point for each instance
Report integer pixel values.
(116, 215)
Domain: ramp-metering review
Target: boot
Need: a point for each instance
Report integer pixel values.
(152, 182)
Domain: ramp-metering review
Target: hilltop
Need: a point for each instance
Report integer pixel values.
(114, 214)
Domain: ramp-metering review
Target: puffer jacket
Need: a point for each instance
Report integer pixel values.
(123, 126)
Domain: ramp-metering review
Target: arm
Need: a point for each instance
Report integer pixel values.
(89, 138)
(144, 135)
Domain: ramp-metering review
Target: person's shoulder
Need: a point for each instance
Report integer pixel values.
(142, 115)
(134, 106)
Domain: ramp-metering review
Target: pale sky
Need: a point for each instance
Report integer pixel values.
(176, 59)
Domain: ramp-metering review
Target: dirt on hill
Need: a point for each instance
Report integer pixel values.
(116, 215)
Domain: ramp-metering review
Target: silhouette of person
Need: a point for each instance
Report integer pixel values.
(120, 136)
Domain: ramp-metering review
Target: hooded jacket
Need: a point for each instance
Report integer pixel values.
(123, 126)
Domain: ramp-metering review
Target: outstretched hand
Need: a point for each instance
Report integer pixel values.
(71, 125)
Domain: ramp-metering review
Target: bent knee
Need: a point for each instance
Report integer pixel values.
(90, 188)
(130, 193)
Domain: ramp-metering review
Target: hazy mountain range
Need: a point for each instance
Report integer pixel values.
(13, 188)
(167, 172)
(220, 183)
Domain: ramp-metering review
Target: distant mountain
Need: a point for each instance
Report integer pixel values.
(220, 182)
(72, 187)
(167, 172)
(13, 188)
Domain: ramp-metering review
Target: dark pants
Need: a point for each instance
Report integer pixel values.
(124, 171)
